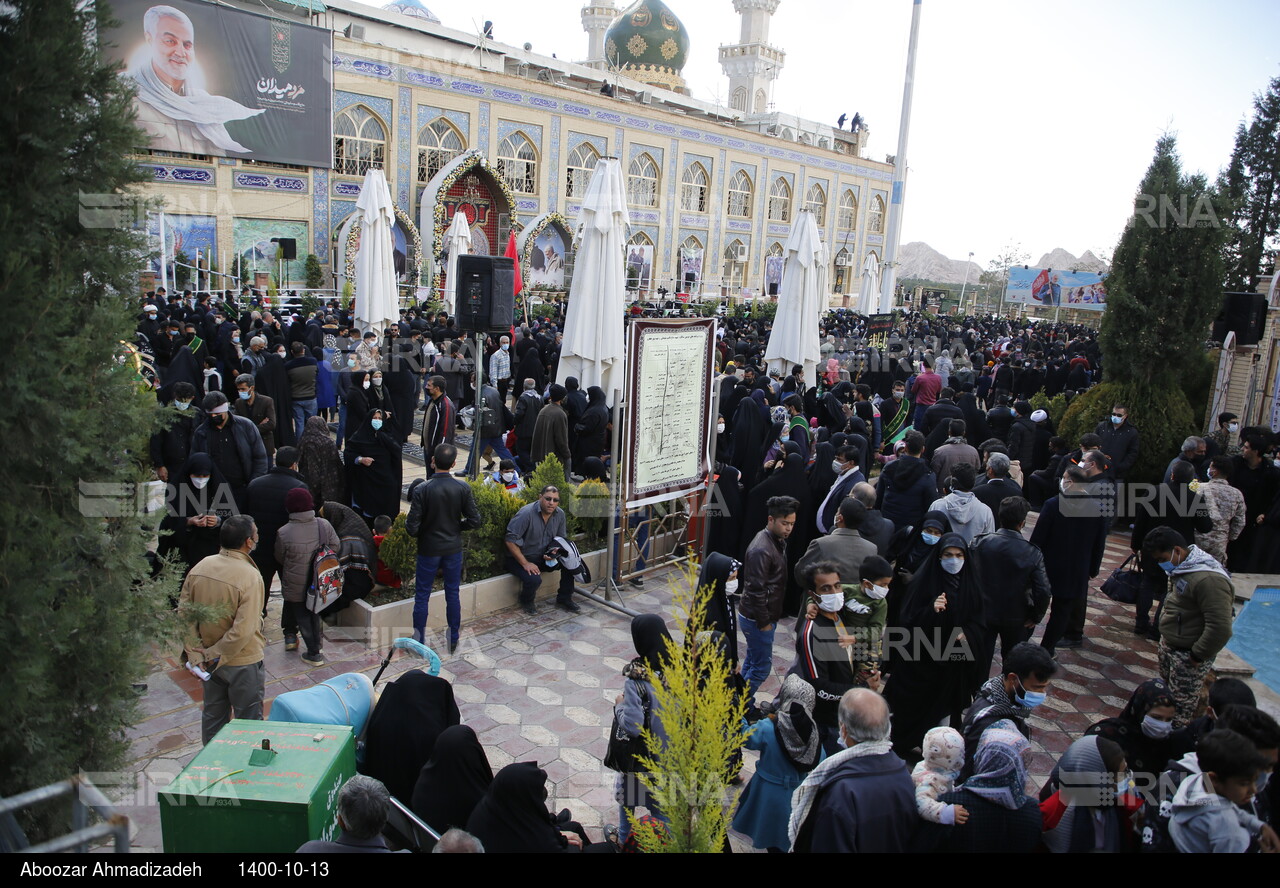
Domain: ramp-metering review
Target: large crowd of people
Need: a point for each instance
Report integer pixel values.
(875, 510)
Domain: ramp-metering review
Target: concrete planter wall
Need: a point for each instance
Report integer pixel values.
(379, 626)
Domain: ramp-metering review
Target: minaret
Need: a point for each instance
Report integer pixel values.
(752, 64)
(596, 19)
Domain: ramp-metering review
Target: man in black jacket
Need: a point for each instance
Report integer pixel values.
(1021, 686)
(232, 442)
(764, 586)
(265, 502)
(489, 428)
(441, 509)
(875, 527)
(1022, 437)
(528, 406)
(997, 486)
(1015, 585)
(1120, 444)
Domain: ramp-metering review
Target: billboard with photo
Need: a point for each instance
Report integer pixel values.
(215, 80)
(1056, 288)
(639, 267)
(182, 234)
(546, 260)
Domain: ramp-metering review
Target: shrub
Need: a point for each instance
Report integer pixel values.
(592, 507)
(484, 548)
(399, 551)
(314, 272)
(551, 471)
(1163, 420)
(1056, 407)
(701, 714)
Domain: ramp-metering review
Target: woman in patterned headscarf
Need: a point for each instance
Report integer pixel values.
(1002, 817)
(788, 744)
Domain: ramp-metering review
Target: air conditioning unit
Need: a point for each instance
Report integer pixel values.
(740, 254)
(844, 261)
(353, 32)
(644, 97)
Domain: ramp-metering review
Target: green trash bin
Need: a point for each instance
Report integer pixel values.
(236, 797)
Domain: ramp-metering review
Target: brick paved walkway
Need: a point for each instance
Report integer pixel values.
(542, 688)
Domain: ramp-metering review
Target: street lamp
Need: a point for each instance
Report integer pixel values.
(898, 197)
(967, 263)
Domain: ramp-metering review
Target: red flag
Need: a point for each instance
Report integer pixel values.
(513, 254)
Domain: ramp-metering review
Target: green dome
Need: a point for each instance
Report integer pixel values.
(649, 43)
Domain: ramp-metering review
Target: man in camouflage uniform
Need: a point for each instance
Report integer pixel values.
(1226, 508)
(1220, 441)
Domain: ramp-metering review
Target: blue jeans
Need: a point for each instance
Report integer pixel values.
(499, 449)
(423, 580)
(302, 411)
(758, 662)
(641, 544)
(917, 419)
(342, 423)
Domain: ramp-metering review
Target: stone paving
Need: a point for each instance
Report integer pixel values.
(541, 688)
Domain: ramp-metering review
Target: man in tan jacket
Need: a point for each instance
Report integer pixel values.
(231, 647)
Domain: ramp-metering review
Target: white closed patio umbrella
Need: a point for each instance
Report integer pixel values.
(593, 349)
(869, 295)
(376, 304)
(794, 340)
(457, 242)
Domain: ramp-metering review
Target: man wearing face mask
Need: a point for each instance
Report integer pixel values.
(1120, 444)
(1015, 586)
(1195, 620)
(832, 654)
(844, 547)
(1221, 441)
(232, 442)
(1022, 686)
(258, 409)
(848, 474)
(170, 447)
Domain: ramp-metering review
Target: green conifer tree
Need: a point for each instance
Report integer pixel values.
(1251, 190)
(78, 612)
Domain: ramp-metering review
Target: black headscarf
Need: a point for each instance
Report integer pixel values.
(593, 469)
(512, 818)
(530, 368)
(273, 381)
(183, 367)
(725, 512)
(722, 615)
(650, 636)
(976, 429)
(821, 475)
(318, 462)
(748, 440)
(411, 714)
(912, 551)
(185, 501)
(1144, 754)
(454, 781)
(375, 489)
(964, 593)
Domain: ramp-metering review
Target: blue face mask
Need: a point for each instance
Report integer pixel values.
(952, 565)
(1029, 699)
(785, 438)
(244, 396)
(930, 539)
(1116, 420)
(182, 405)
(1167, 566)
(376, 423)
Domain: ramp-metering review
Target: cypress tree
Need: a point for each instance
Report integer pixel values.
(78, 610)
(1164, 290)
(1251, 189)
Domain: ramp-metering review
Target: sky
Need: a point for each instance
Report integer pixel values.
(1032, 122)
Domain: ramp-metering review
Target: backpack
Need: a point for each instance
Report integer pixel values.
(324, 578)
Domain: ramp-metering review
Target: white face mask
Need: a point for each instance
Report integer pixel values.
(200, 483)
(508, 476)
(831, 603)
(837, 466)
(1155, 728)
(377, 380)
(731, 587)
(876, 592)
(182, 405)
(1233, 428)
(366, 383)
(720, 429)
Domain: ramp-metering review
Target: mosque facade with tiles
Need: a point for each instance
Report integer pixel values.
(460, 121)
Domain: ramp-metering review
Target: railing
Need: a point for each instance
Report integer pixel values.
(85, 798)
